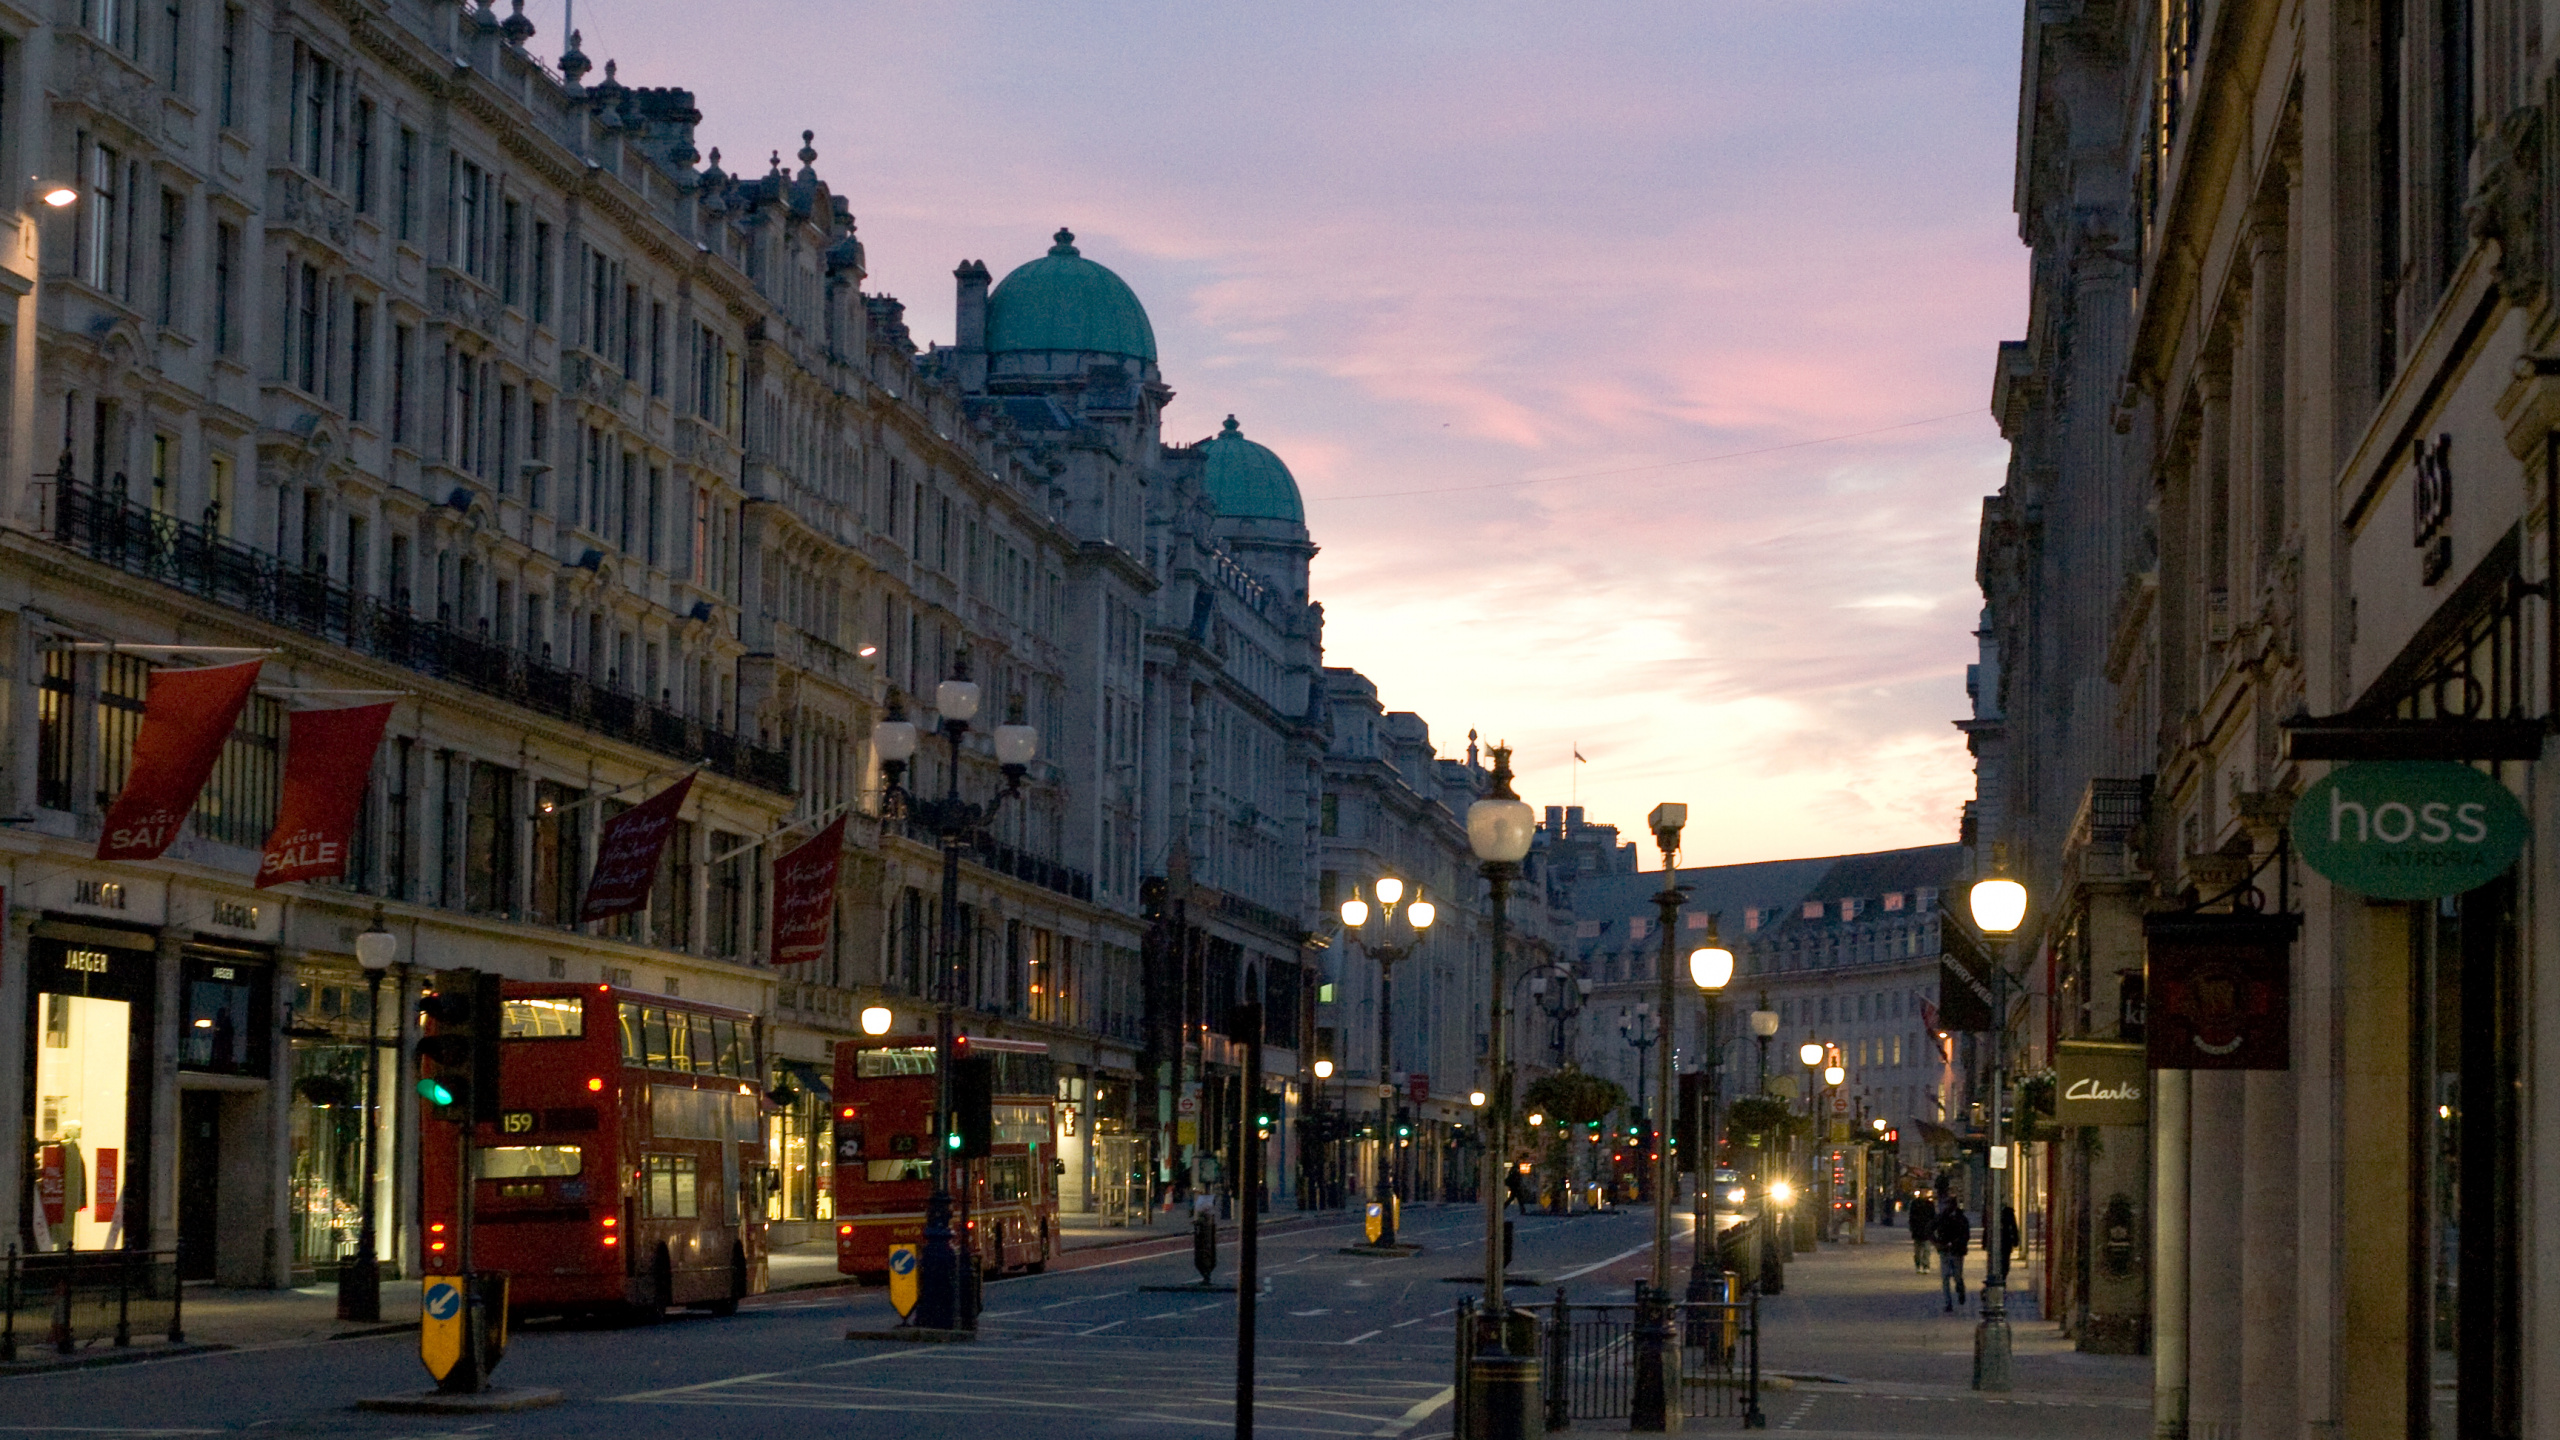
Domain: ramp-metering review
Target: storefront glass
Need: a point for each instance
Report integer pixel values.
(327, 1135)
(83, 1069)
(803, 1164)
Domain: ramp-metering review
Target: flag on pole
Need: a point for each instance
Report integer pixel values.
(328, 756)
(804, 896)
(627, 854)
(187, 716)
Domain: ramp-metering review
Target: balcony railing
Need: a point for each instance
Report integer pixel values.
(1007, 860)
(113, 530)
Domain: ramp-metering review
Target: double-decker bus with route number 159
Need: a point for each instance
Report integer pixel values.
(627, 1167)
(1005, 1204)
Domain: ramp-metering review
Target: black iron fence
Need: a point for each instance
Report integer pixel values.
(66, 1301)
(1588, 1357)
(105, 525)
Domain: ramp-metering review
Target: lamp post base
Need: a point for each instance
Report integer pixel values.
(360, 1285)
(1650, 1409)
(1503, 1398)
(1991, 1339)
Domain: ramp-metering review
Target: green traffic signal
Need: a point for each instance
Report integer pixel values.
(953, 1139)
(434, 1091)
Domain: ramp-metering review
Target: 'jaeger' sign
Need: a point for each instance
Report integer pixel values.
(2409, 829)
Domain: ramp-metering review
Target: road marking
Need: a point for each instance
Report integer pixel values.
(1421, 1408)
(898, 1354)
(1356, 1339)
(1601, 1264)
(1098, 1329)
(1303, 1313)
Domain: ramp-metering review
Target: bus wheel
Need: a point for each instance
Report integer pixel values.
(737, 1285)
(662, 1289)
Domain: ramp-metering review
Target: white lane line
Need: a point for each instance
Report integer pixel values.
(1414, 1416)
(898, 1354)
(1356, 1339)
(1079, 1300)
(1098, 1329)
(1601, 1264)
(1304, 1313)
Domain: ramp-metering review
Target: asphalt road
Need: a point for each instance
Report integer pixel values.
(1349, 1345)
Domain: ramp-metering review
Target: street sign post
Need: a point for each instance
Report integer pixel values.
(440, 1325)
(902, 1279)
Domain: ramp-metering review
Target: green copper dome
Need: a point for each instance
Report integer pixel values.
(1062, 301)
(1247, 482)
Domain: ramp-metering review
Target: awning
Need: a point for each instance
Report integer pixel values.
(805, 1075)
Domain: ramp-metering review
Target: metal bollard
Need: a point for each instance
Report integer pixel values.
(1559, 1377)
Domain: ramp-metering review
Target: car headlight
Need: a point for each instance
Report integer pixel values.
(1781, 1191)
(1734, 1195)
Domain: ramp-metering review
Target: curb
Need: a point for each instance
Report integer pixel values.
(916, 1335)
(127, 1356)
(485, 1402)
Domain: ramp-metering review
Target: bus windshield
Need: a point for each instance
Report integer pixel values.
(906, 1060)
(543, 1019)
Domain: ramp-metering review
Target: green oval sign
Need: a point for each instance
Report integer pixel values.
(2409, 829)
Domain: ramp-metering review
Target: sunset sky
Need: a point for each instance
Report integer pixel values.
(1634, 359)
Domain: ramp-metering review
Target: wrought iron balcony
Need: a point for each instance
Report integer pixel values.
(111, 529)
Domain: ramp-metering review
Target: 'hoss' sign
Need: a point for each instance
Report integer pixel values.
(2409, 829)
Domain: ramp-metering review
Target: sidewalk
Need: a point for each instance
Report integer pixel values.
(1859, 1320)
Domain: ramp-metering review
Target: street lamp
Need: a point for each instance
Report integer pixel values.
(1356, 916)
(956, 823)
(1764, 1028)
(360, 1278)
(1560, 994)
(876, 1020)
(1710, 969)
(1813, 1053)
(1999, 905)
(1651, 1409)
(1500, 829)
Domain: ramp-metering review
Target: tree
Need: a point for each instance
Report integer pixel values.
(1570, 1099)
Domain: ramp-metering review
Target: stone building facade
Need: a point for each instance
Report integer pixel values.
(2280, 501)
(439, 372)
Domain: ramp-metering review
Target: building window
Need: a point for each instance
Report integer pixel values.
(364, 157)
(307, 332)
(541, 272)
(104, 227)
(407, 206)
(226, 265)
(511, 243)
(122, 679)
(238, 806)
(229, 99)
(489, 861)
(360, 341)
(55, 709)
(403, 340)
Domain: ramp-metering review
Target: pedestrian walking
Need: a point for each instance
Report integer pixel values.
(1954, 1236)
(1924, 1224)
(2001, 1248)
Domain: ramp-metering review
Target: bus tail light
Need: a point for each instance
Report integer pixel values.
(595, 1082)
(609, 1237)
(844, 1229)
(435, 1237)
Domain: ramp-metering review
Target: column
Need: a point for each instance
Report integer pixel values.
(2215, 1130)
(2169, 1255)
(2267, 1258)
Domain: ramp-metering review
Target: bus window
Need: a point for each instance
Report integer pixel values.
(669, 1187)
(1008, 1178)
(653, 1037)
(901, 1060)
(706, 1060)
(543, 1019)
(724, 1047)
(1021, 1125)
(679, 1042)
(882, 1171)
(631, 1051)
(516, 1162)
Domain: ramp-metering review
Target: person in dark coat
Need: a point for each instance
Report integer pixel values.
(1954, 1236)
(1998, 1250)
(1924, 1224)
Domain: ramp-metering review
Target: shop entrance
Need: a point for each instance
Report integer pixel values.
(199, 1181)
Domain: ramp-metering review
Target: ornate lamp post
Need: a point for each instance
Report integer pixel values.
(940, 1303)
(1998, 904)
(1710, 969)
(1500, 829)
(1356, 915)
(1812, 1054)
(1833, 1077)
(1652, 1407)
(360, 1279)
(1636, 1028)
(1773, 1252)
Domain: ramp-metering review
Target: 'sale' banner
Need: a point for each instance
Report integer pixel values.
(186, 717)
(328, 757)
(804, 896)
(627, 854)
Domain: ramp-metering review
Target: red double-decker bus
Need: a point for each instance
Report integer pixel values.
(626, 1170)
(1005, 1204)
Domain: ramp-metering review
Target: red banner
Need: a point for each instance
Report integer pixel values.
(804, 896)
(186, 717)
(627, 854)
(328, 756)
(102, 1200)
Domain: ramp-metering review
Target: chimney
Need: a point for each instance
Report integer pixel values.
(970, 330)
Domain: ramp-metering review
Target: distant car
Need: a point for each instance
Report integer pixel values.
(1731, 1192)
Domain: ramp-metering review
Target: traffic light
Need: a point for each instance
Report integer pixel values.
(973, 1106)
(464, 1007)
(1404, 1124)
(1266, 1114)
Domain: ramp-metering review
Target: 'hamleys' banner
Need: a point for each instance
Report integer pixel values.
(186, 717)
(804, 896)
(627, 854)
(328, 755)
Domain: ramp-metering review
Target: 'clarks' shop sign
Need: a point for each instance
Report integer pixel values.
(2100, 1082)
(2409, 829)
